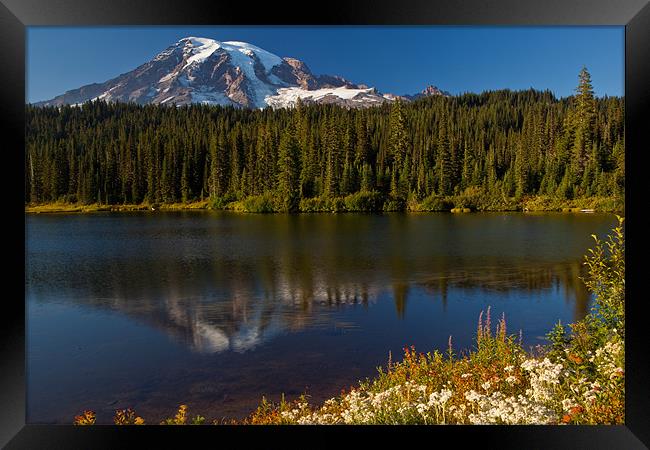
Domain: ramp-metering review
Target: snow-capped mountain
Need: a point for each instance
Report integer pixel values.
(201, 70)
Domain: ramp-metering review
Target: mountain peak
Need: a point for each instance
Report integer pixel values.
(203, 70)
(194, 40)
(433, 90)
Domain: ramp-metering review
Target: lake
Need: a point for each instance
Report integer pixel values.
(215, 309)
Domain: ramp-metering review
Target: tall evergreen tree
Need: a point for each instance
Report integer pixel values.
(289, 170)
(445, 163)
(584, 118)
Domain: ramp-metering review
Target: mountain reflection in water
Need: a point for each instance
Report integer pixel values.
(311, 301)
(242, 318)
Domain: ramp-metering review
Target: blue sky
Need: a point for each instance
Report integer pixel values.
(400, 60)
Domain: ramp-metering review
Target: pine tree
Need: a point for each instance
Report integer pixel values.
(398, 141)
(362, 147)
(522, 167)
(222, 166)
(185, 181)
(289, 170)
(583, 122)
(334, 169)
(214, 166)
(367, 179)
(445, 163)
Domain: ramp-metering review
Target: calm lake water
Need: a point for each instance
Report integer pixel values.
(151, 310)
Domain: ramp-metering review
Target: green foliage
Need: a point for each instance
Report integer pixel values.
(395, 205)
(316, 204)
(221, 202)
(606, 267)
(593, 348)
(197, 420)
(558, 340)
(265, 203)
(289, 171)
(364, 201)
(435, 203)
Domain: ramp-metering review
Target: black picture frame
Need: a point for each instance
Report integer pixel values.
(15, 15)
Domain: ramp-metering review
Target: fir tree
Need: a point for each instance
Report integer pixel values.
(289, 170)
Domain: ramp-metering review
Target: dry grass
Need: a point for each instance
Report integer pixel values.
(78, 208)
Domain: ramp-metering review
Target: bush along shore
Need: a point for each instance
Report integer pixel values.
(577, 378)
(473, 200)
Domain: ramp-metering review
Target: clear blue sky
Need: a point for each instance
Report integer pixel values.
(400, 60)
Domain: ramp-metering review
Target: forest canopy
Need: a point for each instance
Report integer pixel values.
(499, 146)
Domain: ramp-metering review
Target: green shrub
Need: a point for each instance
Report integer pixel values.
(264, 203)
(395, 204)
(364, 201)
(315, 204)
(435, 203)
(337, 204)
(221, 202)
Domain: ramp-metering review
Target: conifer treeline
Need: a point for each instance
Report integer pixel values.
(502, 143)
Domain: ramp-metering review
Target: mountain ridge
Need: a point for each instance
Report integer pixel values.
(203, 70)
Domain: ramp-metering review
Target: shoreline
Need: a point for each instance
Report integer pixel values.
(531, 205)
(48, 208)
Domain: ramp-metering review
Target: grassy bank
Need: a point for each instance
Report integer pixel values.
(78, 208)
(376, 202)
(577, 378)
(358, 202)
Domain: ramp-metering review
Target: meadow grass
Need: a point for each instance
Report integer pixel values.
(62, 207)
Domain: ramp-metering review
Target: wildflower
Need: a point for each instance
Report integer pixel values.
(127, 417)
(567, 404)
(576, 410)
(576, 359)
(85, 418)
(618, 372)
(472, 396)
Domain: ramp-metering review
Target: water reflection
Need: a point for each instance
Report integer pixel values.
(220, 283)
(215, 310)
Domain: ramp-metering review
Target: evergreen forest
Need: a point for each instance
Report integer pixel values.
(491, 151)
